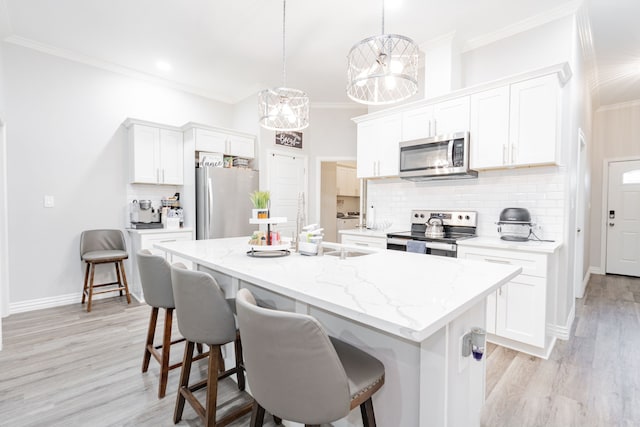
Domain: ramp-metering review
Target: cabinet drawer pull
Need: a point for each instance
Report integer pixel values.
(167, 241)
(360, 244)
(497, 261)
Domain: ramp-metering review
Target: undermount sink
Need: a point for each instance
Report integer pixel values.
(346, 253)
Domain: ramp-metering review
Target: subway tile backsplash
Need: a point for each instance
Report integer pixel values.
(541, 190)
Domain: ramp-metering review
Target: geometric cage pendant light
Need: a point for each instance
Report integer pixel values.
(382, 69)
(283, 108)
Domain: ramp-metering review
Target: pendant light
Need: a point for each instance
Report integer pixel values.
(382, 69)
(283, 108)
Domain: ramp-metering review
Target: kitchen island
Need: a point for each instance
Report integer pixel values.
(408, 310)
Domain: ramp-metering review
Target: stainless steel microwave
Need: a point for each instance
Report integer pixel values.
(438, 157)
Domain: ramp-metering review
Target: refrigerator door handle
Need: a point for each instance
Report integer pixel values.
(209, 214)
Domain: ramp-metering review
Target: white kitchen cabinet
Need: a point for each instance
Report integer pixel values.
(156, 155)
(534, 121)
(518, 310)
(347, 182)
(516, 125)
(347, 224)
(378, 146)
(229, 143)
(489, 132)
(365, 241)
(437, 119)
(145, 239)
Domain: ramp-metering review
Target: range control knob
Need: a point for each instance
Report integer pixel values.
(421, 215)
(460, 217)
(415, 215)
(467, 217)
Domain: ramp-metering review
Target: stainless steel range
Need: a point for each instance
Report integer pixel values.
(442, 241)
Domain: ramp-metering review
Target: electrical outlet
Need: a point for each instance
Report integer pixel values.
(49, 201)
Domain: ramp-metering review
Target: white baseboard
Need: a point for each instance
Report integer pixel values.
(57, 301)
(597, 270)
(585, 282)
(563, 332)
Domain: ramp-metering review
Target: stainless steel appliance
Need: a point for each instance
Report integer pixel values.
(457, 225)
(223, 207)
(438, 157)
(515, 224)
(142, 215)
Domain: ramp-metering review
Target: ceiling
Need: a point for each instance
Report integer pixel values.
(229, 50)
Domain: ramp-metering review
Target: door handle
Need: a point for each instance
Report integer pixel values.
(611, 224)
(578, 230)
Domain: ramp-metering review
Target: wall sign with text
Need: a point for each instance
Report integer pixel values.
(289, 139)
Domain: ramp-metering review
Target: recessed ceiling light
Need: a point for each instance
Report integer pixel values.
(163, 66)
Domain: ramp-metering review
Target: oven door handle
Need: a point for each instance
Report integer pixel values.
(450, 153)
(397, 241)
(441, 246)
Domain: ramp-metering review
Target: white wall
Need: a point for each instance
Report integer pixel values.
(616, 135)
(65, 140)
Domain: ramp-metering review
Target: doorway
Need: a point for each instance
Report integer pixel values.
(581, 176)
(338, 196)
(287, 181)
(622, 218)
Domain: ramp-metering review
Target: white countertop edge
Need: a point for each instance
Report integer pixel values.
(497, 243)
(159, 230)
(367, 320)
(367, 232)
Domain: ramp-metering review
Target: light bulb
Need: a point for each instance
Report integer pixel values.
(390, 82)
(396, 66)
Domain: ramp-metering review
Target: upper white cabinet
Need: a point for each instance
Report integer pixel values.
(346, 182)
(378, 146)
(156, 154)
(437, 119)
(489, 133)
(534, 121)
(223, 141)
(516, 125)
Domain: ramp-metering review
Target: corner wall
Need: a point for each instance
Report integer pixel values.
(65, 140)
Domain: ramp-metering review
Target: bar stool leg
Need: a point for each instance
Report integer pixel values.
(93, 271)
(86, 283)
(368, 417)
(257, 415)
(124, 279)
(184, 381)
(166, 351)
(150, 334)
(118, 279)
(239, 364)
(212, 385)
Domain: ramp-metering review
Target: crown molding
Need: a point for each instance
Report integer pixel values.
(5, 21)
(337, 106)
(619, 106)
(114, 68)
(524, 25)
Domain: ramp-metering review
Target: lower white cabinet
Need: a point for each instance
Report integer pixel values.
(365, 241)
(517, 310)
(145, 239)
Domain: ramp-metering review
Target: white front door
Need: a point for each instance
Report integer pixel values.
(623, 218)
(287, 181)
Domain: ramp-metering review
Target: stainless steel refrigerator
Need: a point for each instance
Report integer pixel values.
(223, 207)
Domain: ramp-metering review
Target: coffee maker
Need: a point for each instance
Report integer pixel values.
(143, 215)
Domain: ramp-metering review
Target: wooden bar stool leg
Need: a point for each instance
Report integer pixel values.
(86, 282)
(257, 415)
(124, 279)
(118, 279)
(93, 271)
(166, 346)
(212, 385)
(184, 381)
(368, 417)
(151, 331)
(239, 365)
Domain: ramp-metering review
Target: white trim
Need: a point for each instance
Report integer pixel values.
(585, 282)
(596, 270)
(115, 68)
(4, 228)
(305, 157)
(605, 199)
(567, 9)
(337, 106)
(619, 106)
(563, 332)
(57, 301)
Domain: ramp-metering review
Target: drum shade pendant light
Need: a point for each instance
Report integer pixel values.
(283, 108)
(383, 69)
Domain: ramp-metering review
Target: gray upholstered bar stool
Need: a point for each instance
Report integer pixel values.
(205, 317)
(297, 372)
(103, 247)
(155, 277)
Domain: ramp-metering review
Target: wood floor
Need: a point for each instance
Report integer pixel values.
(65, 367)
(591, 380)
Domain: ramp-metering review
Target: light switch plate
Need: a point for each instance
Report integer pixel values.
(49, 201)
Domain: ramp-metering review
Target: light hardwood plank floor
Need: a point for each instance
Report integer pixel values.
(593, 379)
(65, 367)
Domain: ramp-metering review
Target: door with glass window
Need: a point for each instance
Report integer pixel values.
(623, 218)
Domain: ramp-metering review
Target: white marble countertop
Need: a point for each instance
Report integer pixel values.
(367, 232)
(159, 230)
(497, 243)
(405, 294)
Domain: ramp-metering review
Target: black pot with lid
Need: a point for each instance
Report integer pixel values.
(515, 224)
